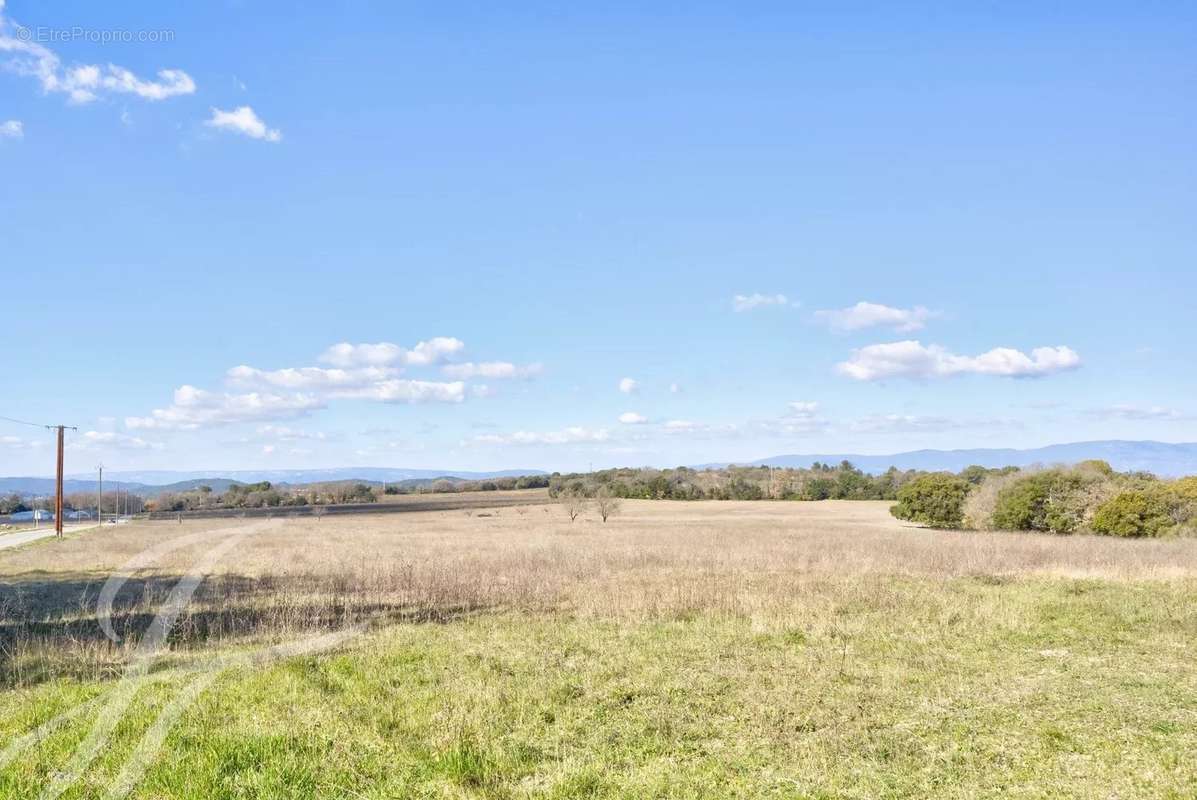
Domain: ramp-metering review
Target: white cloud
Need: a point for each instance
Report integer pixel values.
(17, 443)
(868, 315)
(803, 407)
(92, 440)
(82, 83)
(407, 391)
(911, 359)
(12, 129)
(267, 449)
(675, 388)
(311, 378)
(628, 386)
(194, 408)
(748, 302)
(434, 351)
(491, 369)
(245, 121)
(1140, 413)
(632, 418)
(285, 434)
(572, 435)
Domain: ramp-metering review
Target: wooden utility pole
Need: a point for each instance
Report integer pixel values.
(100, 496)
(58, 488)
(58, 480)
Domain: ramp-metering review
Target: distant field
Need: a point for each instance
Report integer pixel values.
(714, 649)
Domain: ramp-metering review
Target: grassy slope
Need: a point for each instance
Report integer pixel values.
(910, 688)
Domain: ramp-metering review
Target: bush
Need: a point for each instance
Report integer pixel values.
(1054, 500)
(1136, 512)
(936, 500)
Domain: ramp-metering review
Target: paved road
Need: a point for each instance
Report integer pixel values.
(24, 537)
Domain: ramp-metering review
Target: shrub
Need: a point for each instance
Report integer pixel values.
(936, 499)
(1136, 512)
(1054, 500)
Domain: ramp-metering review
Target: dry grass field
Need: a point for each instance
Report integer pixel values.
(715, 649)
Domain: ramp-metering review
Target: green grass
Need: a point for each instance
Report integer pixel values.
(900, 688)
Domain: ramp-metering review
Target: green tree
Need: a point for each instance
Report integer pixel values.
(936, 499)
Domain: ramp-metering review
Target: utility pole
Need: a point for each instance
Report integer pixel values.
(58, 480)
(100, 496)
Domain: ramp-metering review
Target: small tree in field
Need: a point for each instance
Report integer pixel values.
(936, 499)
(606, 503)
(574, 503)
(318, 512)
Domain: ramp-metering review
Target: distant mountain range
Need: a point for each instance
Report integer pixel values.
(1162, 458)
(153, 482)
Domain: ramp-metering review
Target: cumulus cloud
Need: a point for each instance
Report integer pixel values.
(310, 378)
(82, 83)
(748, 302)
(632, 418)
(434, 351)
(401, 390)
(572, 435)
(868, 315)
(911, 359)
(12, 129)
(628, 386)
(491, 369)
(245, 121)
(194, 408)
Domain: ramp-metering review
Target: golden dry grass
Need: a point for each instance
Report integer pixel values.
(766, 562)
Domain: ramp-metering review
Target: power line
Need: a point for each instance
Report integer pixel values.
(23, 422)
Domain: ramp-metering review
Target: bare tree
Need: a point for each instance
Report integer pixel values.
(318, 512)
(606, 503)
(574, 503)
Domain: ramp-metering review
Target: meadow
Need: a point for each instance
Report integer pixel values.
(682, 650)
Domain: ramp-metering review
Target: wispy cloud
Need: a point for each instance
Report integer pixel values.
(12, 129)
(629, 385)
(1142, 413)
(572, 435)
(491, 369)
(245, 121)
(110, 440)
(748, 302)
(632, 418)
(911, 359)
(82, 83)
(867, 315)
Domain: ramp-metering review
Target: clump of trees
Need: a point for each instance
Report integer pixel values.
(1089, 497)
(820, 482)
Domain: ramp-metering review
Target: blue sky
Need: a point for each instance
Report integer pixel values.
(945, 227)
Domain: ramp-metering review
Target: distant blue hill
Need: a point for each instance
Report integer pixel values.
(149, 483)
(1162, 458)
(160, 477)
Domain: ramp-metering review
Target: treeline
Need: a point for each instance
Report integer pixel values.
(841, 481)
(1089, 497)
(453, 485)
(263, 495)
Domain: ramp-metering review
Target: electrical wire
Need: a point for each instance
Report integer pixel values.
(23, 422)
